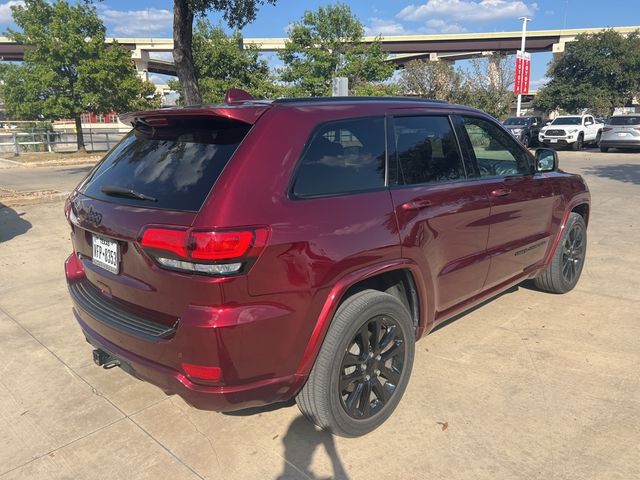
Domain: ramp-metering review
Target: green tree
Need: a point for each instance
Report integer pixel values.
(598, 71)
(326, 43)
(68, 69)
(487, 84)
(221, 63)
(237, 13)
(439, 80)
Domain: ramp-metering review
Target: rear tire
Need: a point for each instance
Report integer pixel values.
(357, 383)
(565, 268)
(604, 149)
(598, 137)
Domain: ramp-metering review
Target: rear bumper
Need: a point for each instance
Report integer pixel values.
(620, 143)
(249, 343)
(219, 398)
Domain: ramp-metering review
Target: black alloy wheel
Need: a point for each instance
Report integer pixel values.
(372, 367)
(573, 250)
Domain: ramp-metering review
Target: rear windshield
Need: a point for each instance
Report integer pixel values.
(624, 120)
(172, 167)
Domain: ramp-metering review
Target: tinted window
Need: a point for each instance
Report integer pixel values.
(343, 156)
(516, 121)
(624, 120)
(496, 152)
(176, 165)
(426, 150)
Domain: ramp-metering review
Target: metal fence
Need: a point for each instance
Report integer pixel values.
(57, 141)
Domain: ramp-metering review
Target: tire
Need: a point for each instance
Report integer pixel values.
(577, 145)
(597, 141)
(333, 386)
(560, 276)
(526, 141)
(604, 149)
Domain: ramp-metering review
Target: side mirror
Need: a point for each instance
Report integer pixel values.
(546, 160)
(547, 123)
(588, 123)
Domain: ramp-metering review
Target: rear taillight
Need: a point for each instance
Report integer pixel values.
(607, 129)
(219, 252)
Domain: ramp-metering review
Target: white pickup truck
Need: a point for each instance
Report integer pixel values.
(571, 130)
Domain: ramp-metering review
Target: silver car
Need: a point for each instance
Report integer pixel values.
(621, 131)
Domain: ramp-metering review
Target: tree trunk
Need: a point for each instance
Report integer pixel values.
(182, 52)
(79, 135)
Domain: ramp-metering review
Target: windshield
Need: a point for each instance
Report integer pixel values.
(567, 121)
(624, 120)
(174, 167)
(516, 121)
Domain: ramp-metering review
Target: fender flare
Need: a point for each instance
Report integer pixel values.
(578, 200)
(336, 294)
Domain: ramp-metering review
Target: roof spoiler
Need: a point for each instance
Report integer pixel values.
(239, 106)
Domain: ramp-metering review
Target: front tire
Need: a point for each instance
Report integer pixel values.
(565, 268)
(577, 145)
(363, 367)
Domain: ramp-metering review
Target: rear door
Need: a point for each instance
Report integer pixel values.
(442, 214)
(521, 202)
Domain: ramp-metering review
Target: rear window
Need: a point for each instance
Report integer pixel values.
(172, 167)
(345, 156)
(624, 120)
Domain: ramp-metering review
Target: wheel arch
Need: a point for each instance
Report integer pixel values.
(415, 285)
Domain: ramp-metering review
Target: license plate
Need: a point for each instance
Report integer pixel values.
(106, 254)
(622, 134)
(554, 140)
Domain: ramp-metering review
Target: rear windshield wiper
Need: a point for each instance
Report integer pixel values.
(116, 191)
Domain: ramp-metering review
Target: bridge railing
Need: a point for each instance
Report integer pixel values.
(56, 141)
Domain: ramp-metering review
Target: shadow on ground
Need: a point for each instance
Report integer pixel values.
(11, 223)
(300, 443)
(624, 172)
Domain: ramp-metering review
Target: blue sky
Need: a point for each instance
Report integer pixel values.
(145, 18)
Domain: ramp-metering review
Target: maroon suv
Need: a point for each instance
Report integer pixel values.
(248, 253)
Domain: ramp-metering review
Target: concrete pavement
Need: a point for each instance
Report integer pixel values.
(28, 179)
(529, 386)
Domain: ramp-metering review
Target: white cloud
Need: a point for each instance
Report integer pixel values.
(538, 83)
(437, 25)
(467, 10)
(137, 23)
(5, 10)
(379, 26)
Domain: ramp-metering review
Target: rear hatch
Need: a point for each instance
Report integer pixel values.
(623, 128)
(159, 175)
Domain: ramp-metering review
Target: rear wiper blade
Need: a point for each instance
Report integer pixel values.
(114, 190)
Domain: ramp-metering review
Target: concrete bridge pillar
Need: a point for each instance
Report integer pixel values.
(141, 60)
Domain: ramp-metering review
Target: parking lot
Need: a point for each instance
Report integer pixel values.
(529, 385)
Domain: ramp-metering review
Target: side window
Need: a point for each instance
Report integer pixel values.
(343, 157)
(496, 152)
(426, 150)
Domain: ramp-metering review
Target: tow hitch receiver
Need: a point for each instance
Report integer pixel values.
(104, 359)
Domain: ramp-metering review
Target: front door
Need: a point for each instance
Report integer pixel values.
(521, 201)
(442, 215)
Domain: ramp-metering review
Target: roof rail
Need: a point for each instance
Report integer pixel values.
(357, 99)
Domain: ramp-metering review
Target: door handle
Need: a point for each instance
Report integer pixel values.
(500, 192)
(416, 205)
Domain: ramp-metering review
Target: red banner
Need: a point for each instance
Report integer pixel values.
(517, 83)
(526, 74)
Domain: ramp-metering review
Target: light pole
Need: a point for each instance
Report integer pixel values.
(522, 46)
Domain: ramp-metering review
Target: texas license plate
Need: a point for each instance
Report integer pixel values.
(622, 134)
(554, 140)
(106, 254)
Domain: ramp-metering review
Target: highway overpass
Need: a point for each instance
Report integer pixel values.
(401, 48)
